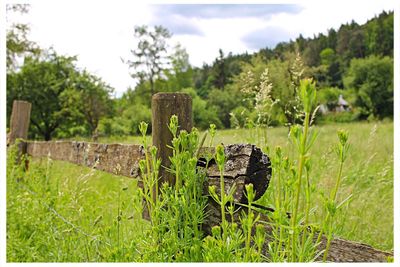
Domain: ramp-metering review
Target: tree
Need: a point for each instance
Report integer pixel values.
(200, 77)
(62, 97)
(329, 72)
(379, 35)
(46, 82)
(150, 56)
(17, 43)
(223, 102)
(94, 99)
(372, 79)
(311, 53)
(219, 74)
(332, 38)
(203, 115)
(327, 56)
(301, 43)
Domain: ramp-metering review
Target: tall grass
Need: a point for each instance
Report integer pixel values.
(367, 175)
(60, 212)
(89, 199)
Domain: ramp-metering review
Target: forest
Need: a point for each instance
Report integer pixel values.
(355, 61)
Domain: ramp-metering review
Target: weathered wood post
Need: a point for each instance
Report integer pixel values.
(163, 106)
(19, 121)
(19, 126)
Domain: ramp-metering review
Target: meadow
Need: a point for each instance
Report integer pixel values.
(57, 211)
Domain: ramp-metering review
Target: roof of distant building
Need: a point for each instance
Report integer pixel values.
(342, 102)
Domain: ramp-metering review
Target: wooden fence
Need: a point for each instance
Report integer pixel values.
(245, 163)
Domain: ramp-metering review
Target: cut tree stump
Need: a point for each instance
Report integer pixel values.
(244, 164)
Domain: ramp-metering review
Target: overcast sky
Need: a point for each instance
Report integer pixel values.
(101, 33)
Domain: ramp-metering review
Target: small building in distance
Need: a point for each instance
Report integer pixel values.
(342, 105)
(335, 106)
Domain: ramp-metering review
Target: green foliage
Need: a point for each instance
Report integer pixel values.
(62, 97)
(203, 115)
(90, 199)
(219, 75)
(379, 35)
(276, 99)
(57, 212)
(47, 83)
(136, 114)
(94, 100)
(330, 95)
(217, 86)
(303, 138)
(240, 116)
(372, 79)
(176, 217)
(127, 122)
(327, 56)
(332, 204)
(180, 75)
(223, 102)
(286, 76)
(65, 101)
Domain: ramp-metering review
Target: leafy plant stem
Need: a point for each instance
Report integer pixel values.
(302, 151)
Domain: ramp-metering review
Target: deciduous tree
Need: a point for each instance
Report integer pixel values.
(372, 78)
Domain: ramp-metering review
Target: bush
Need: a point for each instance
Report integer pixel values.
(203, 116)
(127, 123)
(223, 102)
(136, 114)
(116, 126)
(372, 78)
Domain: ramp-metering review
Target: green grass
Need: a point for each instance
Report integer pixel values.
(61, 212)
(54, 209)
(368, 175)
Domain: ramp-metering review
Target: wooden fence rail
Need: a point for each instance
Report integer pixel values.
(245, 164)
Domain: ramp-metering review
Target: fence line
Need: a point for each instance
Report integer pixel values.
(119, 159)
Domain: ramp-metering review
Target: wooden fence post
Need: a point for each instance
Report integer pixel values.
(19, 121)
(19, 126)
(163, 106)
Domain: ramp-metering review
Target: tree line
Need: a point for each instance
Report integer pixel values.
(355, 61)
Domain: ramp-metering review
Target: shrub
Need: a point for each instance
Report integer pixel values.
(203, 116)
(127, 123)
(372, 79)
(223, 102)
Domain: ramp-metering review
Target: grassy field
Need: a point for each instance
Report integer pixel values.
(60, 212)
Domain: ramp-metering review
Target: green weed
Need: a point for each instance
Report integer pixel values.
(60, 212)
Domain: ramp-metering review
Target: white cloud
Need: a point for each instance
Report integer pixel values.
(98, 33)
(320, 16)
